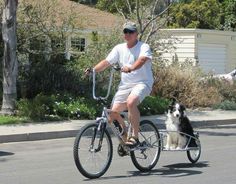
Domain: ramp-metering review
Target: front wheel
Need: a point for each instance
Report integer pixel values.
(146, 156)
(93, 150)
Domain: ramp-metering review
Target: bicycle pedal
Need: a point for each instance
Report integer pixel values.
(121, 151)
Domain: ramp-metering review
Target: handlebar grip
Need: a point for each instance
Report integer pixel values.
(117, 67)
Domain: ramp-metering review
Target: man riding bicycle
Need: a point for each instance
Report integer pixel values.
(134, 57)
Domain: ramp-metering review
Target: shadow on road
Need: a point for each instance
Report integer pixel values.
(4, 153)
(173, 170)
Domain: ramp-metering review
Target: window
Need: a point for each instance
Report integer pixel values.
(78, 44)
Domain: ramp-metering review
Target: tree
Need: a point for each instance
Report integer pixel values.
(203, 14)
(1, 40)
(229, 12)
(10, 64)
(150, 15)
(43, 30)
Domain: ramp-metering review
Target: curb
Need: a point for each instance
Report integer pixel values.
(35, 136)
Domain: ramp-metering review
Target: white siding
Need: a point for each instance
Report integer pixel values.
(212, 57)
(183, 47)
(215, 50)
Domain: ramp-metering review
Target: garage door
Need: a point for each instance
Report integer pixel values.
(212, 58)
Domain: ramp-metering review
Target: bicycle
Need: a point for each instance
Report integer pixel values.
(93, 147)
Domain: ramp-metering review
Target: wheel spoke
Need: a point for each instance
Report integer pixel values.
(146, 157)
(90, 161)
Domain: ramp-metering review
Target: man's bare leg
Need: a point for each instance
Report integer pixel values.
(133, 113)
(115, 115)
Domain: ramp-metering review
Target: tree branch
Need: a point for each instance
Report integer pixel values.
(120, 11)
(155, 17)
(129, 6)
(138, 17)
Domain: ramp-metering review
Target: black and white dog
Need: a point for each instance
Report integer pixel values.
(178, 123)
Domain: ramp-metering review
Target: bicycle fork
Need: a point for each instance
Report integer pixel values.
(99, 129)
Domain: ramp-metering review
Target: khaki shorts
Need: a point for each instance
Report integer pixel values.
(141, 90)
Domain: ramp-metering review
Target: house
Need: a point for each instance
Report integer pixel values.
(79, 22)
(213, 50)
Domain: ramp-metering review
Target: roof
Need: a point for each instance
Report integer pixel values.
(201, 31)
(85, 17)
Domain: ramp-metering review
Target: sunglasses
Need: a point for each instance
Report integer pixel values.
(127, 31)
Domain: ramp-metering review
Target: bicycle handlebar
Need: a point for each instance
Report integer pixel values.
(114, 68)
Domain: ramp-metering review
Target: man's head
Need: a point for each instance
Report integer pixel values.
(130, 32)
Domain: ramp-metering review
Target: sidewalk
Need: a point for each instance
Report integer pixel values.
(53, 130)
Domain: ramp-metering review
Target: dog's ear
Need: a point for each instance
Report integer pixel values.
(173, 100)
(182, 107)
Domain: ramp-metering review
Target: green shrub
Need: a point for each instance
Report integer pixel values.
(56, 107)
(37, 109)
(153, 105)
(227, 91)
(5, 120)
(75, 109)
(226, 105)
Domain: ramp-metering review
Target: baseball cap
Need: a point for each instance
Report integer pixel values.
(130, 26)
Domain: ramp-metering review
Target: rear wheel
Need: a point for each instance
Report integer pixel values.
(195, 153)
(146, 156)
(93, 151)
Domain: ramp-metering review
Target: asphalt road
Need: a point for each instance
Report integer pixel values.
(51, 162)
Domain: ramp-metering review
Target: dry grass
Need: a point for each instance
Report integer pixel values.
(182, 83)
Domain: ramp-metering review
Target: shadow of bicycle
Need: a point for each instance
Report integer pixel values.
(173, 170)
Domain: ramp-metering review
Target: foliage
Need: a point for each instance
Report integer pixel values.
(181, 81)
(42, 22)
(50, 77)
(44, 107)
(149, 15)
(203, 14)
(87, 2)
(37, 108)
(75, 109)
(226, 89)
(226, 105)
(5, 120)
(43, 28)
(94, 53)
(229, 15)
(153, 105)
(113, 6)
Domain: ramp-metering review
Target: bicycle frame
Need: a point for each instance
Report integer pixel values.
(105, 113)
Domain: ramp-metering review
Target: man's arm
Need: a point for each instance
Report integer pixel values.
(102, 65)
(138, 64)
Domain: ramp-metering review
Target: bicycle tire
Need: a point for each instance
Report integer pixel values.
(152, 141)
(86, 155)
(194, 155)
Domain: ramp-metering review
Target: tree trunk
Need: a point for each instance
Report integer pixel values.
(10, 64)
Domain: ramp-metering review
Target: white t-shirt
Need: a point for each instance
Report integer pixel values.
(125, 56)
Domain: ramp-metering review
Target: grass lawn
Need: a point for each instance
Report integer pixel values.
(4, 120)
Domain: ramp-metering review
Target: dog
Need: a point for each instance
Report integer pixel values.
(177, 126)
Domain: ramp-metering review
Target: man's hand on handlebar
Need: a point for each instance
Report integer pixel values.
(126, 69)
(88, 71)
